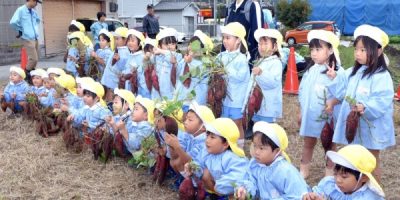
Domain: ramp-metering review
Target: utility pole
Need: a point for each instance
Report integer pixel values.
(215, 17)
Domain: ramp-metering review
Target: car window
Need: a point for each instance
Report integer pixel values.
(319, 26)
(117, 25)
(86, 22)
(305, 26)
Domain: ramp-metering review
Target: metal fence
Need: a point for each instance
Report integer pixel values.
(7, 9)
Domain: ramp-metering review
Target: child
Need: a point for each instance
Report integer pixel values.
(13, 95)
(369, 83)
(139, 127)
(116, 63)
(352, 178)
(101, 55)
(166, 60)
(192, 62)
(123, 102)
(194, 144)
(237, 73)
(47, 99)
(270, 175)
(267, 75)
(315, 91)
(224, 163)
(38, 76)
(135, 63)
(77, 53)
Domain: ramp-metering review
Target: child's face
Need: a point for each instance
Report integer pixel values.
(192, 123)
(231, 43)
(103, 42)
(89, 100)
(214, 144)
(139, 113)
(37, 81)
(133, 44)
(320, 55)
(119, 41)
(360, 53)
(263, 153)
(117, 105)
(266, 47)
(15, 77)
(347, 182)
(47, 83)
(79, 90)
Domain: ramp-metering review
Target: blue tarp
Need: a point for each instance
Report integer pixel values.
(348, 14)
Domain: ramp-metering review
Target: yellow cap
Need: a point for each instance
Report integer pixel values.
(327, 36)
(77, 34)
(167, 32)
(372, 32)
(137, 34)
(18, 70)
(54, 70)
(126, 95)
(276, 133)
(205, 39)
(79, 25)
(271, 33)
(109, 35)
(169, 109)
(96, 88)
(203, 112)
(121, 32)
(39, 72)
(358, 158)
(149, 105)
(235, 29)
(227, 129)
(66, 81)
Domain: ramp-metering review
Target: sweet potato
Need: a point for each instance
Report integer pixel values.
(147, 76)
(173, 75)
(216, 93)
(113, 59)
(119, 144)
(327, 135)
(107, 145)
(121, 82)
(187, 190)
(253, 104)
(352, 123)
(3, 104)
(154, 80)
(187, 81)
(134, 82)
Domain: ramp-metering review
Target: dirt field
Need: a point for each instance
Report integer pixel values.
(32, 167)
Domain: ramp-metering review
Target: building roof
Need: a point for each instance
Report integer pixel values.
(163, 5)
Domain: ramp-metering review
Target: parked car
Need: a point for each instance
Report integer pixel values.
(112, 24)
(299, 35)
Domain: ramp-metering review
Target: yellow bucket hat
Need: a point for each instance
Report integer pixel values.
(18, 70)
(276, 133)
(236, 29)
(372, 32)
(205, 39)
(66, 81)
(138, 34)
(109, 35)
(39, 72)
(54, 70)
(96, 88)
(203, 112)
(126, 95)
(327, 36)
(227, 129)
(77, 34)
(168, 109)
(121, 32)
(358, 158)
(79, 25)
(271, 33)
(149, 105)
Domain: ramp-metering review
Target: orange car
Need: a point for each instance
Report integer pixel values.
(299, 35)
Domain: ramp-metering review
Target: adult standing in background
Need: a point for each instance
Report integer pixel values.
(96, 27)
(151, 27)
(249, 14)
(26, 21)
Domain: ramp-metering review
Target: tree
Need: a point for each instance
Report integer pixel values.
(294, 13)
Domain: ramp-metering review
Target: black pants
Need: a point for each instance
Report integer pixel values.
(152, 36)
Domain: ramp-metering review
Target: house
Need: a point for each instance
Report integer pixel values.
(179, 15)
(133, 11)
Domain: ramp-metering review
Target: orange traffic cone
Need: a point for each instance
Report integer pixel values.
(397, 95)
(292, 80)
(24, 58)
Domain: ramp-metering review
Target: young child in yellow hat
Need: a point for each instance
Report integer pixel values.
(223, 164)
(237, 73)
(123, 104)
(270, 175)
(352, 179)
(13, 96)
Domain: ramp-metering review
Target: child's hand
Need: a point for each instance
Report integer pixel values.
(171, 140)
(147, 56)
(257, 71)
(188, 170)
(331, 73)
(173, 59)
(93, 54)
(64, 108)
(312, 196)
(13, 95)
(44, 94)
(329, 107)
(120, 124)
(110, 120)
(359, 108)
(70, 118)
(241, 193)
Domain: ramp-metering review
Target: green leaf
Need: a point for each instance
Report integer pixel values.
(195, 46)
